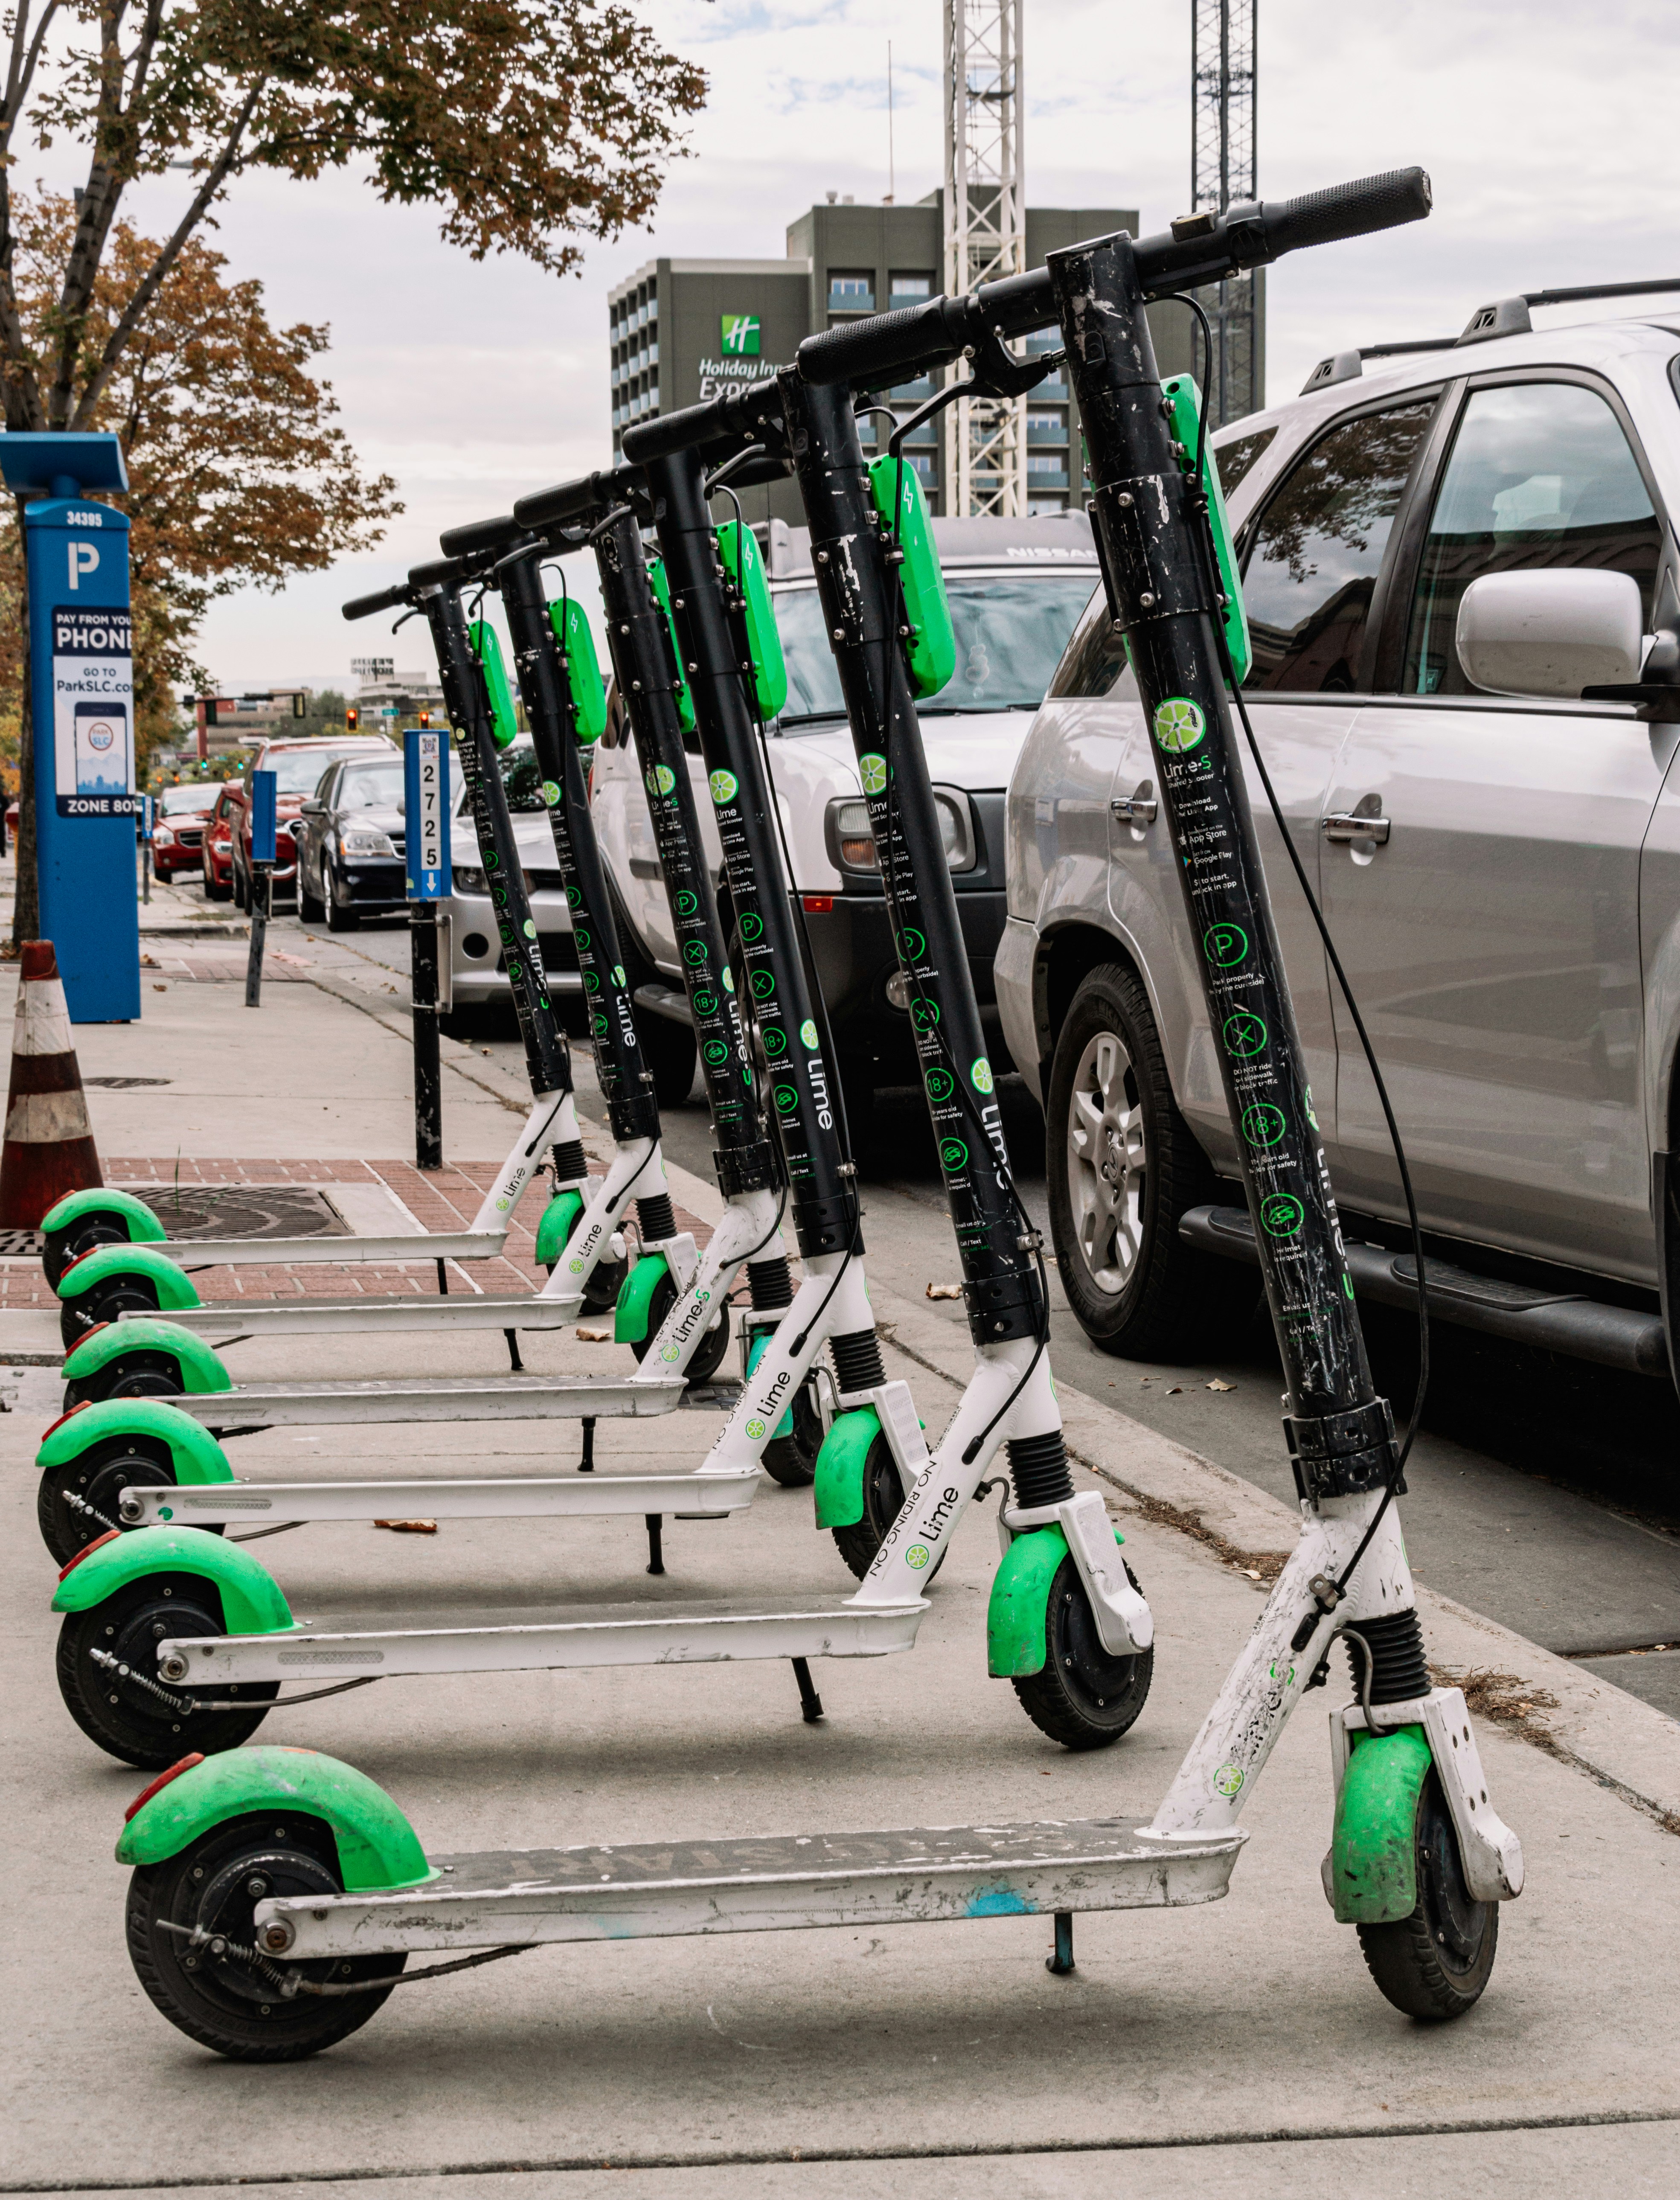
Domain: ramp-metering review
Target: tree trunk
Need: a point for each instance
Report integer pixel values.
(27, 911)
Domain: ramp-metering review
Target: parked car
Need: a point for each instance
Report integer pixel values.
(350, 841)
(1015, 589)
(1440, 552)
(217, 850)
(178, 820)
(298, 766)
(475, 969)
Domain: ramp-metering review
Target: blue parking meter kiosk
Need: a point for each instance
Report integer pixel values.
(82, 707)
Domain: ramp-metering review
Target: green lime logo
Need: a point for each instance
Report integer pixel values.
(1263, 1125)
(808, 1034)
(924, 1015)
(953, 1155)
(687, 904)
(775, 1038)
(1178, 724)
(755, 1430)
(917, 1556)
(693, 954)
(1224, 944)
(618, 974)
(941, 1084)
(671, 1353)
(728, 979)
(873, 770)
(530, 929)
(762, 983)
(662, 779)
(1281, 1216)
(1311, 1117)
(717, 1053)
(787, 1098)
(551, 793)
(576, 1266)
(738, 335)
(1228, 1780)
(724, 788)
(1244, 1034)
(579, 935)
(912, 943)
(980, 1075)
(705, 1004)
(752, 926)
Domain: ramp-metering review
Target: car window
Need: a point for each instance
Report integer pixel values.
(298, 771)
(176, 799)
(371, 787)
(1011, 629)
(1315, 552)
(1096, 657)
(519, 776)
(1236, 457)
(1539, 475)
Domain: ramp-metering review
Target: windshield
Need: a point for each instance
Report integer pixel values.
(519, 776)
(301, 771)
(371, 786)
(174, 800)
(1011, 629)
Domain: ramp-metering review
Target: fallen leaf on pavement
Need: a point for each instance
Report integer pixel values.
(1175, 1390)
(1217, 1385)
(409, 1527)
(160, 989)
(945, 1291)
(594, 1337)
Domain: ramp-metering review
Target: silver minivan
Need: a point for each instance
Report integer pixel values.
(1443, 547)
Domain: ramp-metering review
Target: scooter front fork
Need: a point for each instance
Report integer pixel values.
(747, 1231)
(637, 1171)
(832, 1302)
(552, 1118)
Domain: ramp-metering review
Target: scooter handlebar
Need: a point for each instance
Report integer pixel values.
(1346, 210)
(388, 600)
(574, 502)
(482, 536)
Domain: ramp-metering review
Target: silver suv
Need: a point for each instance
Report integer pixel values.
(1443, 547)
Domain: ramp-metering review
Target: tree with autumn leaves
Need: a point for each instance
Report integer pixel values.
(528, 123)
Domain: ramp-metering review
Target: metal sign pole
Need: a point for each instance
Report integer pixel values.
(148, 811)
(426, 772)
(262, 879)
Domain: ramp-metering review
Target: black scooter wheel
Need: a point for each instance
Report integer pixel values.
(1083, 1697)
(709, 1353)
(130, 1375)
(1434, 1964)
(883, 1497)
(250, 2010)
(92, 1310)
(61, 1247)
(98, 1477)
(125, 1719)
(792, 1459)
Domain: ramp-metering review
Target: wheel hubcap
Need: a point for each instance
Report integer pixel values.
(1107, 1162)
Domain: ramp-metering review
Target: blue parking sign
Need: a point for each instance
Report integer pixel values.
(425, 773)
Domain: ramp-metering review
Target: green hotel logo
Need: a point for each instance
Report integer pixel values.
(739, 336)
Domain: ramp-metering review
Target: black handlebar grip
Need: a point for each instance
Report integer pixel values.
(911, 336)
(481, 535)
(439, 573)
(560, 505)
(388, 600)
(668, 433)
(1348, 210)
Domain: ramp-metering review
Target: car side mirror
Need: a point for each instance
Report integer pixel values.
(313, 809)
(1552, 631)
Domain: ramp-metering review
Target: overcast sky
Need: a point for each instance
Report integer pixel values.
(1542, 126)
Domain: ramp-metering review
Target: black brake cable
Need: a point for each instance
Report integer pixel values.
(1397, 1473)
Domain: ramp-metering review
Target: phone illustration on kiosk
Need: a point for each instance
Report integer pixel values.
(103, 759)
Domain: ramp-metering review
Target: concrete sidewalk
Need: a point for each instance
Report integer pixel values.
(1241, 2041)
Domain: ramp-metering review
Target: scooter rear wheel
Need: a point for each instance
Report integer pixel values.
(1083, 1697)
(128, 1721)
(63, 1246)
(92, 1310)
(222, 2000)
(883, 1497)
(1434, 1964)
(98, 1477)
(133, 1375)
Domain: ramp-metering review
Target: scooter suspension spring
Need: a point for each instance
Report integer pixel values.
(858, 1363)
(571, 1163)
(770, 1283)
(1399, 1668)
(657, 1218)
(1038, 1467)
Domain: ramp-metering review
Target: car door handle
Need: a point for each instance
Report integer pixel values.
(1137, 809)
(1348, 825)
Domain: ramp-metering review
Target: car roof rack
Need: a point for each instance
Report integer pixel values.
(1345, 365)
(1509, 317)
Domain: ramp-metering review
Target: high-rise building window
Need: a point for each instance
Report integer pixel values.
(851, 290)
(904, 289)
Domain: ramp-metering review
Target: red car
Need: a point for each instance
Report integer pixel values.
(299, 767)
(218, 847)
(179, 819)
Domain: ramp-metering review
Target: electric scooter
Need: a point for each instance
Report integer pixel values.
(260, 1878)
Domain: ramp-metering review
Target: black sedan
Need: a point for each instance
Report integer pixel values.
(350, 843)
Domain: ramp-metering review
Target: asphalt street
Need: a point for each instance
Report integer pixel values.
(1543, 1492)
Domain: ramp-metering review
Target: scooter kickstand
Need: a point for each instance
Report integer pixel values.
(443, 1280)
(656, 1557)
(1060, 1964)
(518, 1365)
(810, 1704)
(586, 1464)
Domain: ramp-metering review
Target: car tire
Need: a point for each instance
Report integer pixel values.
(1123, 1168)
(212, 891)
(241, 899)
(309, 910)
(339, 916)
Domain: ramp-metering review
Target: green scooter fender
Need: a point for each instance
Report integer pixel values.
(559, 1220)
(635, 1298)
(840, 1467)
(252, 1602)
(143, 1226)
(1020, 1604)
(784, 1427)
(168, 1278)
(378, 1848)
(195, 1455)
(199, 1368)
(1373, 1863)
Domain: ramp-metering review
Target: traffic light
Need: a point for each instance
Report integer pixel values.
(425, 718)
(300, 705)
(352, 718)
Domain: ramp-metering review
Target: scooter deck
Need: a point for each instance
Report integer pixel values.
(933, 1874)
(688, 1495)
(284, 1252)
(435, 1398)
(513, 1641)
(229, 1323)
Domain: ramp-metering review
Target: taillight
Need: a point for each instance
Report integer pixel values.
(163, 1780)
(87, 1551)
(80, 1406)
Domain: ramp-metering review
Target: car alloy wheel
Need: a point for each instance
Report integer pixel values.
(1107, 1162)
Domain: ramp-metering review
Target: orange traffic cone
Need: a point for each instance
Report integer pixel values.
(49, 1150)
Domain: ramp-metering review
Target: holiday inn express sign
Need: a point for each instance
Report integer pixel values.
(738, 340)
(739, 336)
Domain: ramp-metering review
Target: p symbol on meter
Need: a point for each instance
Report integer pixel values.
(84, 559)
